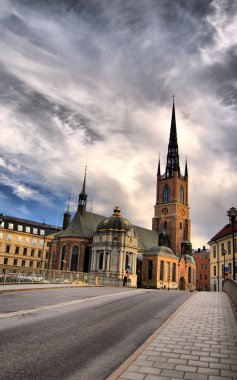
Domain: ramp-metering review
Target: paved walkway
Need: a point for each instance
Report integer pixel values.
(24, 287)
(197, 342)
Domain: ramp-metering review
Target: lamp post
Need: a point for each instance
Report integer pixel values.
(232, 213)
(224, 253)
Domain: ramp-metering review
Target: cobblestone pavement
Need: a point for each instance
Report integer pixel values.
(199, 342)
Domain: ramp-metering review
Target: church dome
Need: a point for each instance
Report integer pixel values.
(115, 223)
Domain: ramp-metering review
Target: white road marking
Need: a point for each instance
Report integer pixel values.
(20, 312)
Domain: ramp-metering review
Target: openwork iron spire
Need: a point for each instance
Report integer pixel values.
(173, 152)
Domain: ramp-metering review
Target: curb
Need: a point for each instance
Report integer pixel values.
(122, 368)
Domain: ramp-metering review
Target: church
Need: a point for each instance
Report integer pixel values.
(112, 246)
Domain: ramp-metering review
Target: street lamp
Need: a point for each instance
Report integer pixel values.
(232, 213)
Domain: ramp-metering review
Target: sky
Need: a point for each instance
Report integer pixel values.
(91, 83)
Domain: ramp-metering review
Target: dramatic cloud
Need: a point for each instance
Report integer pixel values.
(91, 83)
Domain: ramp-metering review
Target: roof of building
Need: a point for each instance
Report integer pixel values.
(188, 259)
(161, 251)
(85, 225)
(224, 232)
(12, 219)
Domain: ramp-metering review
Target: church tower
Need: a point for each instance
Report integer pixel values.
(171, 208)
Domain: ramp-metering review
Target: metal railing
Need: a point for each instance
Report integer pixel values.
(230, 287)
(27, 276)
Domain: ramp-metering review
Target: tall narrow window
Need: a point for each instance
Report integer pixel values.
(174, 272)
(166, 194)
(181, 194)
(150, 267)
(162, 270)
(74, 259)
(189, 275)
(101, 260)
(63, 262)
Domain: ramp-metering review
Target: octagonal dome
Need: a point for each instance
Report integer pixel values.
(115, 223)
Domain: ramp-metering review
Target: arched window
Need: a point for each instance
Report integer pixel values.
(101, 260)
(166, 194)
(74, 259)
(174, 272)
(182, 195)
(127, 262)
(189, 275)
(63, 253)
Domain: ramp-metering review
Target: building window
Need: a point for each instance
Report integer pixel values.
(150, 267)
(189, 275)
(24, 251)
(38, 264)
(2, 224)
(26, 240)
(18, 239)
(214, 271)
(229, 247)
(165, 225)
(9, 237)
(161, 270)
(166, 194)
(168, 271)
(214, 252)
(200, 266)
(45, 265)
(1, 235)
(41, 243)
(101, 260)
(63, 262)
(200, 276)
(39, 253)
(5, 260)
(15, 262)
(31, 263)
(174, 272)
(8, 248)
(35, 231)
(27, 229)
(23, 263)
(181, 194)
(205, 276)
(19, 228)
(74, 258)
(180, 225)
(205, 266)
(34, 241)
(10, 226)
(17, 250)
(42, 232)
(32, 253)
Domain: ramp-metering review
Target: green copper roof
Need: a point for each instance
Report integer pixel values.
(83, 225)
(161, 251)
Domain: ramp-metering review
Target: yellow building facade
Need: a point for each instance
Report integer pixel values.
(221, 255)
(24, 244)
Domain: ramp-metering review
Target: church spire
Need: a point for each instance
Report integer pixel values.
(186, 168)
(173, 152)
(158, 170)
(67, 214)
(83, 195)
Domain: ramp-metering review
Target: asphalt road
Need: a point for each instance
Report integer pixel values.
(82, 333)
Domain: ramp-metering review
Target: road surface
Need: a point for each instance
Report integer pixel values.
(82, 333)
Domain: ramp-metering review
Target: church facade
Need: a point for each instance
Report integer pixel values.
(112, 246)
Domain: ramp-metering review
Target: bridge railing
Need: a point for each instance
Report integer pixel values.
(230, 287)
(27, 276)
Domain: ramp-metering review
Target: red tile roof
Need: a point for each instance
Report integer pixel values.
(225, 231)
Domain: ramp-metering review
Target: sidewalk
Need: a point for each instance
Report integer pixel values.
(199, 342)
